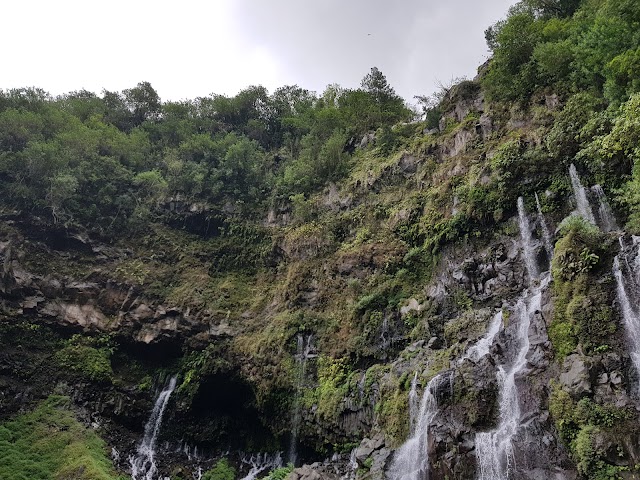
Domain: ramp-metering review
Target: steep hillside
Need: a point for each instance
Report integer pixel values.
(227, 285)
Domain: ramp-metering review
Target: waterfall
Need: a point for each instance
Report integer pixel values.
(584, 209)
(495, 450)
(627, 286)
(630, 314)
(607, 220)
(303, 353)
(260, 463)
(546, 234)
(143, 464)
(628, 294)
(482, 347)
(384, 334)
(527, 241)
(414, 406)
(411, 461)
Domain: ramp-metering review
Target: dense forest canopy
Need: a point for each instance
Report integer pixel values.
(104, 161)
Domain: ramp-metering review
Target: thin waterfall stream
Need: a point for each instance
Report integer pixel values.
(411, 461)
(527, 241)
(304, 351)
(607, 220)
(261, 463)
(494, 449)
(546, 234)
(582, 201)
(143, 464)
(627, 279)
(414, 406)
(482, 346)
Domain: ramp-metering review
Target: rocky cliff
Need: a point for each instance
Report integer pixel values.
(362, 296)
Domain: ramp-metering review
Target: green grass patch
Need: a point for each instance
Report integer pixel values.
(50, 444)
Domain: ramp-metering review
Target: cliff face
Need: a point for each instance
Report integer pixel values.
(415, 267)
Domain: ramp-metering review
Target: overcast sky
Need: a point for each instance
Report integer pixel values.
(192, 48)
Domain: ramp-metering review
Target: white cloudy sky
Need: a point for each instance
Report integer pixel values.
(192, 48)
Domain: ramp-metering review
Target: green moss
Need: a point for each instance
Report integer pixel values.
(583, 316)
(393, 414)
(334, 382)
(49, 443)
(84, 357)
(583, 425)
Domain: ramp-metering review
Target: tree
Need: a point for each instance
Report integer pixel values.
(375, 83)
(389, 107)
(143, 102)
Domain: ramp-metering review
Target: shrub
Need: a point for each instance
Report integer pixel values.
(222, 470)
(80, 357)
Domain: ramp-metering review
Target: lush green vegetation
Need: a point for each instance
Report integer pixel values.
(106, 161)
(586, 427)
(87, 357)
(222, 470)
(565, 46)
(264, 212)
(50, 444)
(583, 316)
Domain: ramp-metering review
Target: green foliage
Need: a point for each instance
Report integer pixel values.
(108, 163)
(567, 45)
(393, 413)
(583, 425)
(334, 379)
(280, 473)
(568, 136)
(49, 443)
(89, 358)
(582, 315)
(222, 470)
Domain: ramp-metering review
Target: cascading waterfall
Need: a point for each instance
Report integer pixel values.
(546, 234)
(143, 465)
(584, 208)
(261, 462)
(494, 450)
(414, 406)
(527, 241)
(482, 346)
(630, 314)
(303, 353)
(411, 461)
(607, 220)
(627, 285)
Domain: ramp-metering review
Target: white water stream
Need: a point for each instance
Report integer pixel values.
(607, 220)
(304, 351)
(546, 234)
(143, 464)
(411, 461)
(527, 244)
(495, 450)
(584, 208)
(414, 403)
(261, 463)
(482, 346)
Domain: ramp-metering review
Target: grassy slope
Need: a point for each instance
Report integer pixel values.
(49, 443)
